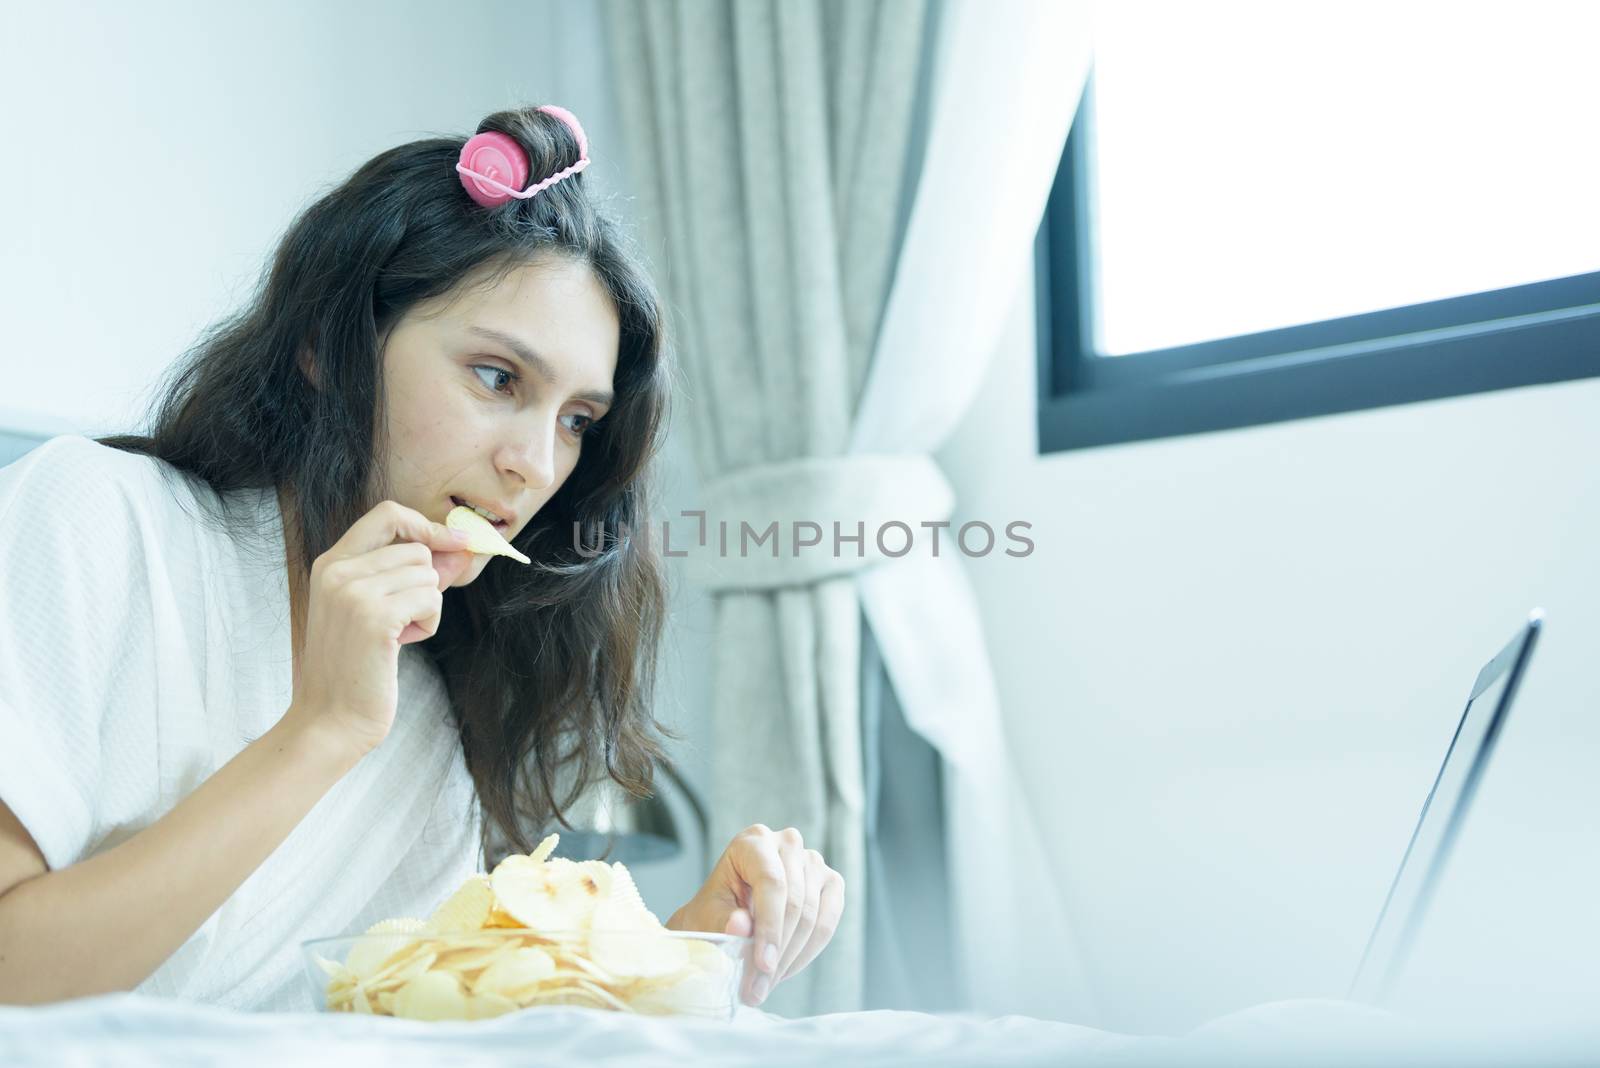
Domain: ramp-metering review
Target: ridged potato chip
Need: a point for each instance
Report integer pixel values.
(625, 892)
(482, 537)
(467, 909)
(542, 851)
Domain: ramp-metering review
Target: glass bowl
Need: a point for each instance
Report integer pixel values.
(474, 975)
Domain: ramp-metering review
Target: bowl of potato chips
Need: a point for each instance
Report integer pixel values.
(539, 930)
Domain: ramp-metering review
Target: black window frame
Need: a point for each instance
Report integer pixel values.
(1442, 348)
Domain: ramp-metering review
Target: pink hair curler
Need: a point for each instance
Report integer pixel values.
(493, 166)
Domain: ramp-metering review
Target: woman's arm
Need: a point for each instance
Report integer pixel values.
(108, 922)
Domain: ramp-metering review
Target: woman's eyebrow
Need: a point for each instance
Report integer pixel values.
(536, 363)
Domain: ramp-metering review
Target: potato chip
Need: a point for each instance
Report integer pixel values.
(629, 941)
(431, 996)
(638, 955)
(370, 954)
(580, 967)
(516, 971)
(624, 891)
(707, 957)
(498, 917)
(360, 1003)
(482, 535)
(569, 996)
(616, 915)
(598, 991)
(543, 850)
(598, 871)
(694, 993)
(488, 1006)
(577, 992)
(467, 955)
(467, 909)
(557, 895)
(402, 968)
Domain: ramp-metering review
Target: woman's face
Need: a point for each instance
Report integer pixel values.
(488, 397)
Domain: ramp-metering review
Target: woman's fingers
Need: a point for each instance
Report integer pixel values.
(830, 906)
(451, 566)
(792, 849)
(790, 903)
(404, 564)
(418, 607)
(758, 862)
(396, 579)
(739, 924)
(400, 554)
(816, 873)
(388, 522)
(450, 563)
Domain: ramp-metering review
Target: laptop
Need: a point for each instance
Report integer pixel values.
(1443, 813)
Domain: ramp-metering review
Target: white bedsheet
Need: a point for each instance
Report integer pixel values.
(136, 1029)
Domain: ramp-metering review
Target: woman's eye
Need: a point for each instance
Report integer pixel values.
(585, 426)
(510, 376)
(586, 422)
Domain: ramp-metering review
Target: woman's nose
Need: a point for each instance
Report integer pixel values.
(532, 455)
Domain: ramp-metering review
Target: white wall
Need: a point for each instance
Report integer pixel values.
(188, 136)
(1232, 664)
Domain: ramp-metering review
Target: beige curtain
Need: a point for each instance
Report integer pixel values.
(769, 146)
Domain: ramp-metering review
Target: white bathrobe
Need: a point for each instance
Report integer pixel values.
(141, 650)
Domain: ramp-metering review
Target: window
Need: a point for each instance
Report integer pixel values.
(1270, 211)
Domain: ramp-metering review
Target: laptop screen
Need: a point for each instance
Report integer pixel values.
(1440, 822)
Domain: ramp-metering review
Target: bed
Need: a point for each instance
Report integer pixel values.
(134, 1029)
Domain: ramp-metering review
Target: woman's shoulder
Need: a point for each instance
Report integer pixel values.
(74, 485)
(74, 465)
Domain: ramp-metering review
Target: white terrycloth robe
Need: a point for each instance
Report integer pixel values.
(141, 650)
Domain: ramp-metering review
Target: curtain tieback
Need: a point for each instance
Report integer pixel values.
(796, 522)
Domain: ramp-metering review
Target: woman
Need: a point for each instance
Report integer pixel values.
(253, 691)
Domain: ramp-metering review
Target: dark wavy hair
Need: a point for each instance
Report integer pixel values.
(550, 668)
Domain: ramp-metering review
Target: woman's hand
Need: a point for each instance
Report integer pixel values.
(377, 588)
(769, 885)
